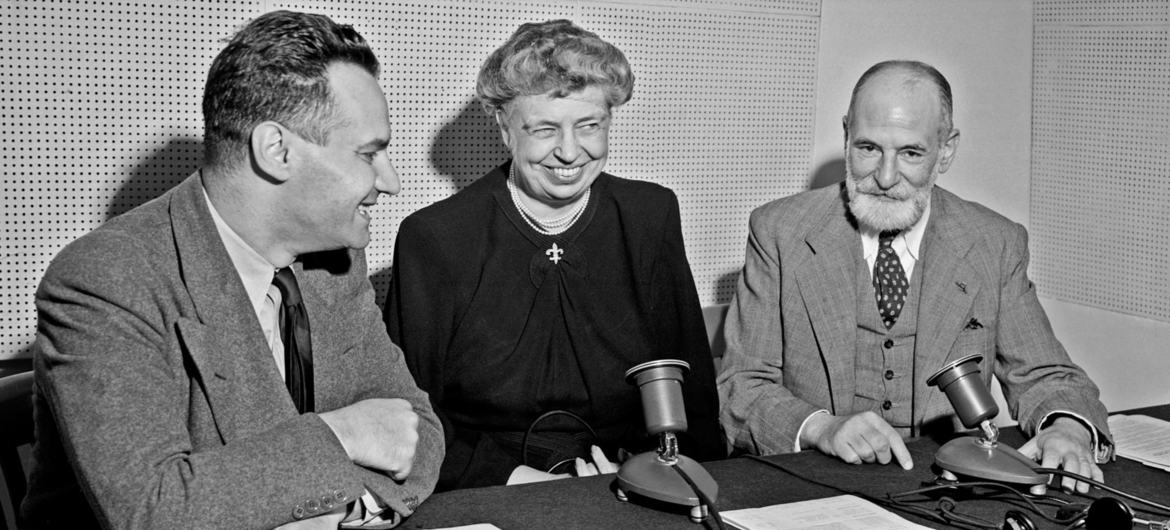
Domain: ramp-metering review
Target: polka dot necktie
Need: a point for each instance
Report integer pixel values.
(294, 333)
(889, 280)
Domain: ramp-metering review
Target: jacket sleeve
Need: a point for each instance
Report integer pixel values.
(386, 375)
(1035, 371)
(681, 332)
(421, 315)
(759, 414)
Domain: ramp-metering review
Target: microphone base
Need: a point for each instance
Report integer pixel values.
(647, 475)
(973, 457)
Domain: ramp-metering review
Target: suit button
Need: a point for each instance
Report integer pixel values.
(886, 405)
(889, 374)
(311, 506)
(327, 502)
(299, 512)
(339, 496)
(889, 343)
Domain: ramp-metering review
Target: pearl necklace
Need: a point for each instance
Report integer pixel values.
(548, 227)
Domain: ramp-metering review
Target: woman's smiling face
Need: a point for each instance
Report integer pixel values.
(559, 144)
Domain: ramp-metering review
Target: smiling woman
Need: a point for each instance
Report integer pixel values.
(521, 301)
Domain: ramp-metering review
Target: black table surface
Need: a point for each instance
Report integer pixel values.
(590, 502)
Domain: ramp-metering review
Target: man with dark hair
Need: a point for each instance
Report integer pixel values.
(851, 296)
(214, 358)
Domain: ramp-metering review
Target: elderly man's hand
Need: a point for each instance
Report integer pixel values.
(377, 433)
(863, 437)
(1066, 443)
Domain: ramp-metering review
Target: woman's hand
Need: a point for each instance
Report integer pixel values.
(599, 466)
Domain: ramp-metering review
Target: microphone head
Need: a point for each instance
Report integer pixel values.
(965, 389)
(660, 384)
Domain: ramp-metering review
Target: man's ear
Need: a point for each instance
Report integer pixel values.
(270, 149)
(845, 128)
(947, 151)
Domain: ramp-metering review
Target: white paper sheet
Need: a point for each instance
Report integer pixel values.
(844, 512)
(1142, 438)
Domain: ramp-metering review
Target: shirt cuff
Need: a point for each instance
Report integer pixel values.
(1102, 449)
(796, 441)
(370, 512)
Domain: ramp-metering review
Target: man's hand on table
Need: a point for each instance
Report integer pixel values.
(1066, 443)
(863, 437)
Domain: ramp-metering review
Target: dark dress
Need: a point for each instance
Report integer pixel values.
(500, 327)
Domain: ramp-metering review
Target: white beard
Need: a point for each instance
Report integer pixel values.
(874, 209)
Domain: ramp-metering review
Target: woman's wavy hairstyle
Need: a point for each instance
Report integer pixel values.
(556, 58)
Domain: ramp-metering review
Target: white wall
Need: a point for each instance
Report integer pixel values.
(984, 48)
(1127, 356)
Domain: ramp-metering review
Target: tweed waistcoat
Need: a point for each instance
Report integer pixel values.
(884, 368)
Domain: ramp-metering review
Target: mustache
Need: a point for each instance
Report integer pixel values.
(900, 192)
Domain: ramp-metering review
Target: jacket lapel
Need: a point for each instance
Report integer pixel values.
(827, 277)
(224, 340)
(949, 288)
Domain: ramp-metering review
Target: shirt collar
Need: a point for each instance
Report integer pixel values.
(255, 272)
(909, 240)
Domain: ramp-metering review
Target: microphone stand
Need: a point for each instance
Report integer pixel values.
(664, 474)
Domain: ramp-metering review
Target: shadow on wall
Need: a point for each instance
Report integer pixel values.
(725, 285)
(21, 362)
(464, 150)
(467, 147)
(156, 174)
(830, 173)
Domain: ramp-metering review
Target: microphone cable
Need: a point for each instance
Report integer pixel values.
(907, 508)
(945, 513)
(703, 498)
(545, 416)
(1160, 509)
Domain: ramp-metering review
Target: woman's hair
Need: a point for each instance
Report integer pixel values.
(275, 68)
(556, 58)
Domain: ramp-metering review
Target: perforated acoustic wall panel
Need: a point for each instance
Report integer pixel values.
(100, 112)
(1100, 193)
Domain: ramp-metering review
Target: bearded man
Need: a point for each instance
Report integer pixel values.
(852, 295)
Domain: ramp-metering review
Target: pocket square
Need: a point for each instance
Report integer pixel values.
(974, 324)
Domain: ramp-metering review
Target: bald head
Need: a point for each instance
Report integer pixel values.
(909, 79)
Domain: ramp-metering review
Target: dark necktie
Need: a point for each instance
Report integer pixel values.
(298, 348)
(889, 280)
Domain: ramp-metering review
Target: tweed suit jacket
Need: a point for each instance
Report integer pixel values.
(791, 328)
(158, 400)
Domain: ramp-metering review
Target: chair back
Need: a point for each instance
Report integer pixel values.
(16, 430)
(713, 317)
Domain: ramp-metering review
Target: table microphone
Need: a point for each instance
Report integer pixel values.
(983, 456)
(665, 475)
